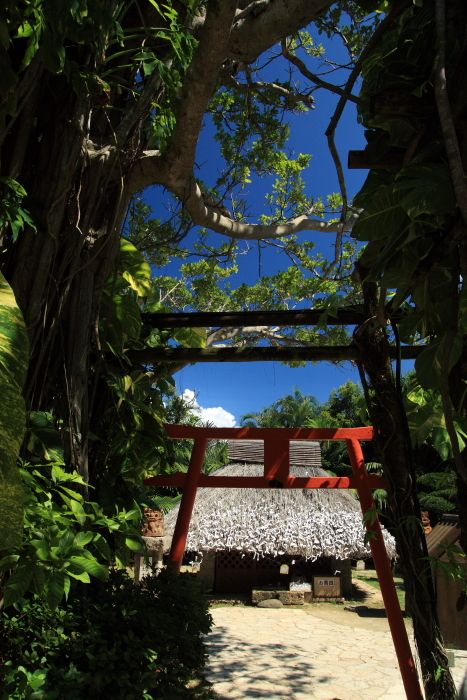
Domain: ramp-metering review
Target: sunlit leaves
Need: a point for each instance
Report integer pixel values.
(63, 543)
(14, 357)
(134, 268)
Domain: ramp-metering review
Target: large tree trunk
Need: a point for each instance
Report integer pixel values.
(388, 418)
(76, 155)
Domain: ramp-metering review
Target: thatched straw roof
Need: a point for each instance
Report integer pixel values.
(303, 522)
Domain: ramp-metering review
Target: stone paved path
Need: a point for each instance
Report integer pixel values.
(290, 654)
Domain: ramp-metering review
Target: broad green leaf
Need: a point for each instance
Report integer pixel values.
(128, 314)
(55, 587)
(442, 443)
(66, 541)
(43, 431)
(102, 546)
(191, 337)
(428, 363)
(134, 545)
(38, 578)
(401, 127)
(134, 268)
(375, 181)
(431, 189)
(18, 583)
(78, 511)
(421, 421)
(14, 344)
(8, 562)
(153, 302)
(92, 566)
(83, 576)
(14, 357)
(83, 538)
(66, 585)
(410, 325)
(382, 218)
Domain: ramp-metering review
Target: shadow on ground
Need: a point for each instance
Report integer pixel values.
(276, 664)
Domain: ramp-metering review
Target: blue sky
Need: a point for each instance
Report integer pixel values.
(229, 390)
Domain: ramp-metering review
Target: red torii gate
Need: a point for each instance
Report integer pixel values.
(277, 475)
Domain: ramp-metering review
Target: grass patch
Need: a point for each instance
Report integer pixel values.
(371, 578)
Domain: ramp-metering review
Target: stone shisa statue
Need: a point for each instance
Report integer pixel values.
(155, 526)
(426, 522)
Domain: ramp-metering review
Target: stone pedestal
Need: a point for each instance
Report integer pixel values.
(143, 567)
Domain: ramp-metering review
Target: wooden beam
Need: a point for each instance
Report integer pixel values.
(340, 353)
(239, 319)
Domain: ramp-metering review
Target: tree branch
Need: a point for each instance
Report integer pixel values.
(267, 23)
(151, 170)
(175, 169)
(315, 78)
(198, 87)
(294, 97)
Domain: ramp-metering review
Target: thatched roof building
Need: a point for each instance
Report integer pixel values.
(308, 523)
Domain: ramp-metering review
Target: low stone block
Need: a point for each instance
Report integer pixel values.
(286, 597)
(292, 597)
(258, 595)
(271, 603)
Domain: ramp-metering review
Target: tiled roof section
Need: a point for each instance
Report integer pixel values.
(302, 453)
(447, 529)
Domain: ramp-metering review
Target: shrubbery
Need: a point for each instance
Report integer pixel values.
(117, 640)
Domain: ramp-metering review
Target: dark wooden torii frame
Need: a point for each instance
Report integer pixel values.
(277, 475)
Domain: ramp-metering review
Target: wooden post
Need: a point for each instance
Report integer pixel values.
(190, 487)
(385, 577)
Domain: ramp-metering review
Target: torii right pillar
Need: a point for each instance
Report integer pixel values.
(385, 577)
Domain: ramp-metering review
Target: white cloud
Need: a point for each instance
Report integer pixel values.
(218, 415)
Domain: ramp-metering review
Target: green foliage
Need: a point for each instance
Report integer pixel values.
(14, 355)
(45, 29)
(384, 216)
(431, 190)
(345, 404)
(65, 538)
(43, 437)
(406, 214)
(453, 566)
(13, 210)
(122, 641)
(292, 411)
